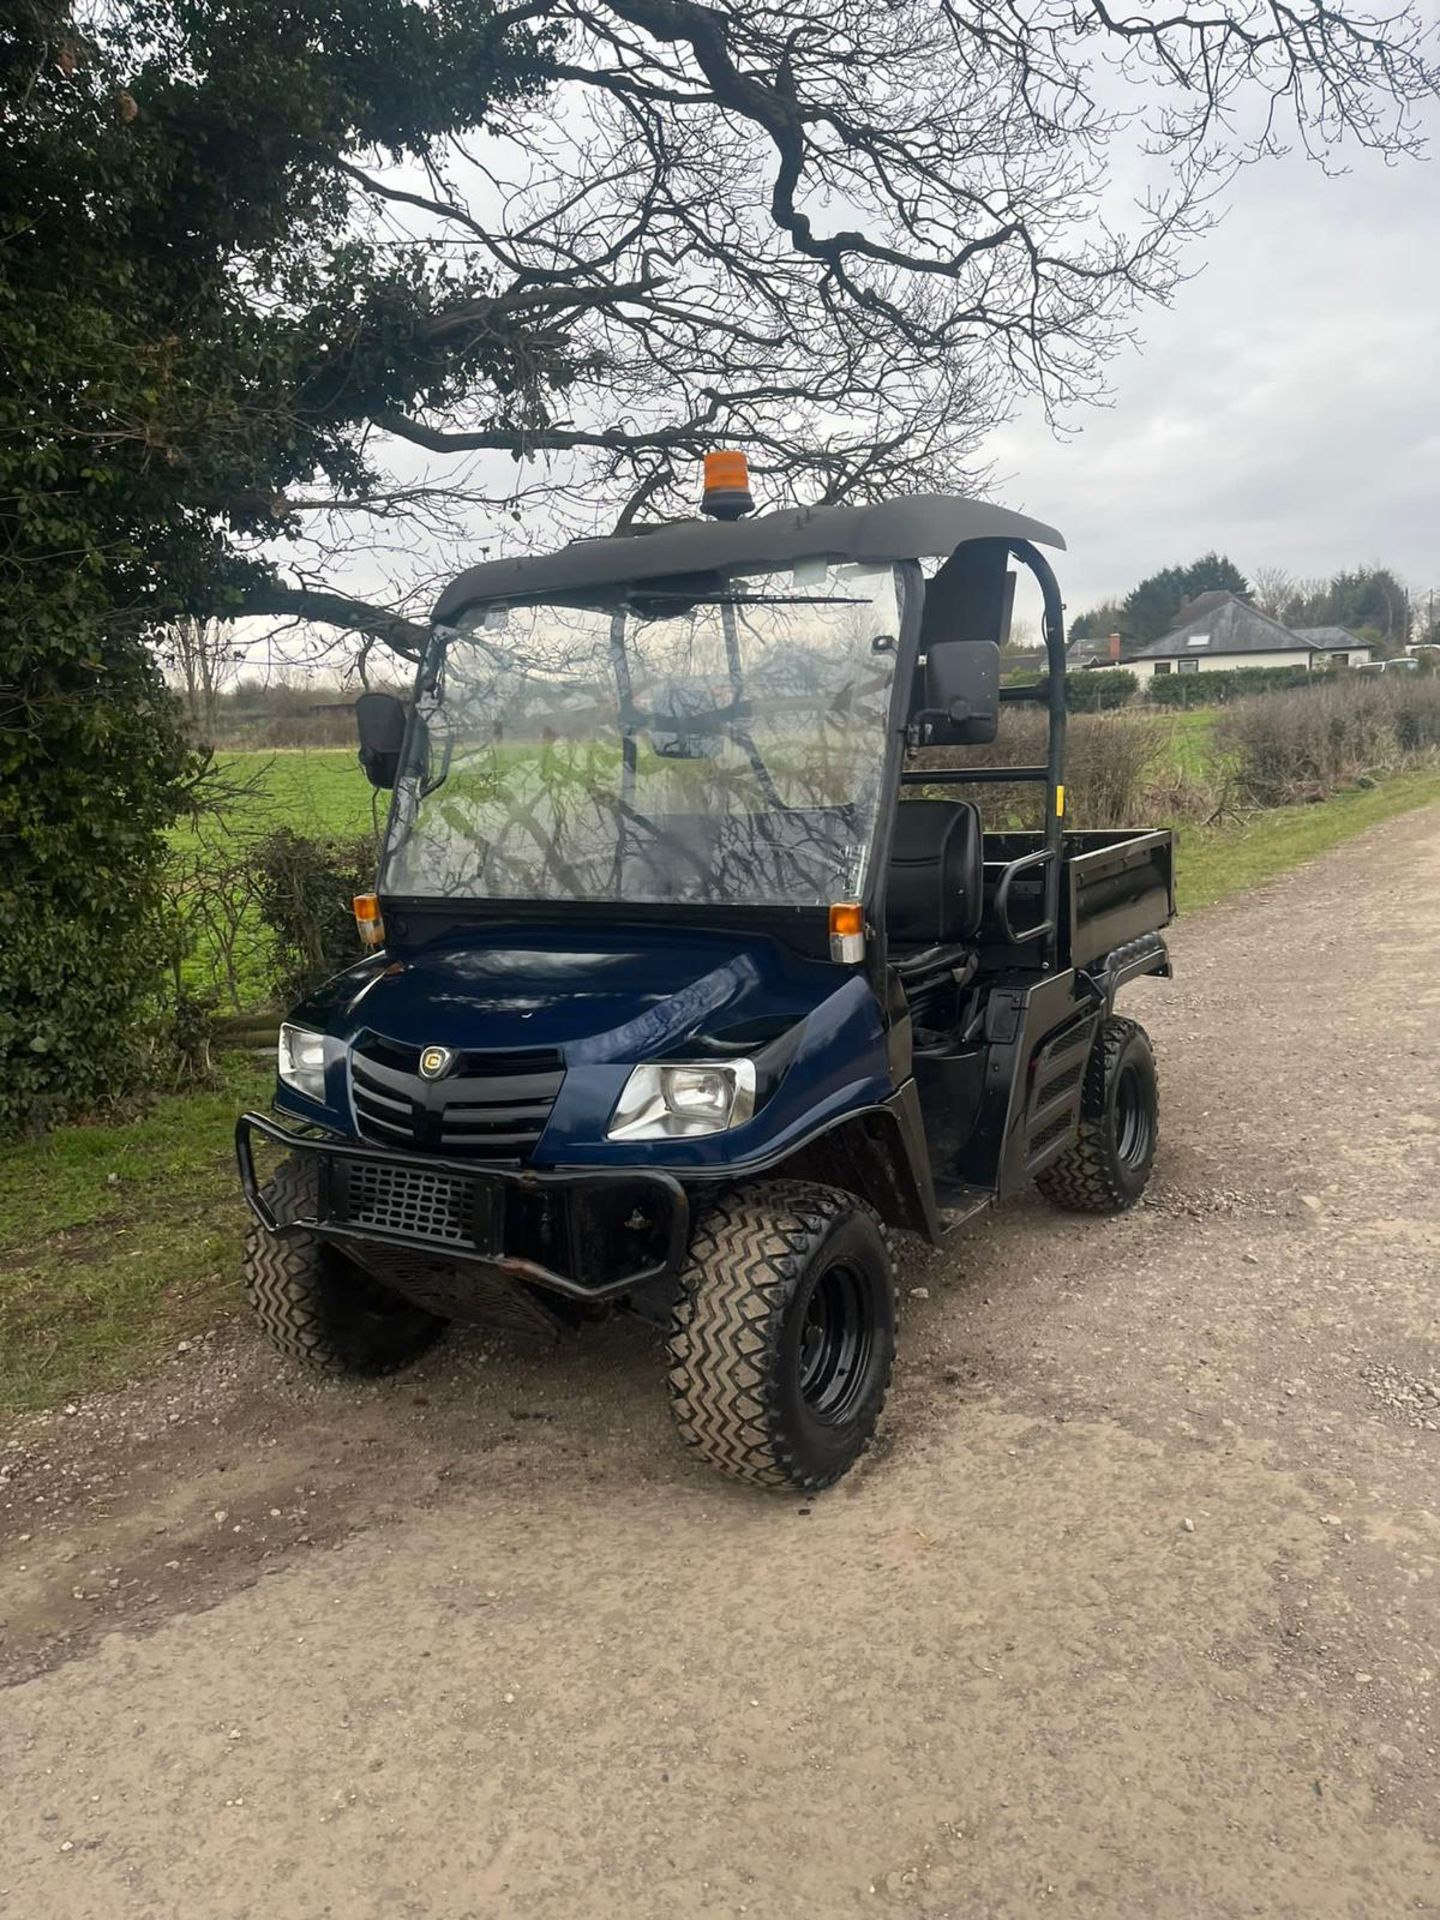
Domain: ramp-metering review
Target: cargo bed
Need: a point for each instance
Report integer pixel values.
(1117, 884)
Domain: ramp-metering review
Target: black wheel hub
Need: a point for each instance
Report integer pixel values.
(836, 1341)
(1134, 1123)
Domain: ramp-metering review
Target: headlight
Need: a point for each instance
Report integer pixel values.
(682, 1102)
(301, 1061)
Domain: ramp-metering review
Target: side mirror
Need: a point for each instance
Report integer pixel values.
(961, 707)
(380, 722)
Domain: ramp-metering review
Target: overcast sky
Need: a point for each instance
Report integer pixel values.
(1285, 409)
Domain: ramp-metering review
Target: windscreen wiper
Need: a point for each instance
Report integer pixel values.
(762, 599)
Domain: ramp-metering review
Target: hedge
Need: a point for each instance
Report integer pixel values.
(1098, 689)
(1303, 745)
(1231, 683)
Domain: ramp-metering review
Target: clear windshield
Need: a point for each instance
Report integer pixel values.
(726, 750)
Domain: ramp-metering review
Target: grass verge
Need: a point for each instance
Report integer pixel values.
(1213, 863)
(118, 1239)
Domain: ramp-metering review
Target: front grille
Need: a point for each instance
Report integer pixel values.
(489, 1106)
(404, 1200)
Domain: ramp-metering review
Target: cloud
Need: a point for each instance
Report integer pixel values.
(1285, 409)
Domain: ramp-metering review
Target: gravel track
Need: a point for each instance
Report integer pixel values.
(1133, 1611)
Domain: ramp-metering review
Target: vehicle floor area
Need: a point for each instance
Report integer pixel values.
(1133, 1610)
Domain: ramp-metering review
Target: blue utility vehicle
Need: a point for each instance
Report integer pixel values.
(694, 971)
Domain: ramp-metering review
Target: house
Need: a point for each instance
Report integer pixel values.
(1220, 631)
(1340, 647)
(1093, 653)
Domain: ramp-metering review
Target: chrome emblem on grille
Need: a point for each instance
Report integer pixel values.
(434, 1061)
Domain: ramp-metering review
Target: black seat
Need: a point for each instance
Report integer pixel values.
(934, 883)
(784, 853)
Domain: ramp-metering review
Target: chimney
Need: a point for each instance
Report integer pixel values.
(1114, 649)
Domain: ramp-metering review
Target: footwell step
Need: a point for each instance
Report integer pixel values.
(956, 1202)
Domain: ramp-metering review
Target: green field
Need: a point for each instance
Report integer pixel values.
(1190, 745)
(322, 790)
(318, 790)
(320, 793)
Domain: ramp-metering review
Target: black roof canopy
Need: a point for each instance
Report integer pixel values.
(906, 529)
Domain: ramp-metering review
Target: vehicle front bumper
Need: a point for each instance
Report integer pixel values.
(588, 1234)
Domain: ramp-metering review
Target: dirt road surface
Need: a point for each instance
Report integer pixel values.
(1134, 1611)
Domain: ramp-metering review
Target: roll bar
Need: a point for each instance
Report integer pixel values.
(1052, 774)
(1053, 628)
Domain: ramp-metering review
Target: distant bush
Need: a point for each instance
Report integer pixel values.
(1098, 689)
(1232, 683)
(1417, 711)
(1109, 760)
(1303, 745)
(253, 715)
(305, 889)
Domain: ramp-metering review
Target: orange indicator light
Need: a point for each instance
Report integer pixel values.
(367, 920)
(847, 932)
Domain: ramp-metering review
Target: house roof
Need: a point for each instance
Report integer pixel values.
(1096, 648)
(1330, 638)
(1203, 603)
(1226, 625)
(905, 529)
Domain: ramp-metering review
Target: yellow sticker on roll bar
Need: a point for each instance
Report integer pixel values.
(1059, 803)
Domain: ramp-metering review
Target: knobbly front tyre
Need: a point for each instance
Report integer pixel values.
(1108, 1167)
(317, 1306)
(783, 1335)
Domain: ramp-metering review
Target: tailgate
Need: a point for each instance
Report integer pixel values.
(1121, 885)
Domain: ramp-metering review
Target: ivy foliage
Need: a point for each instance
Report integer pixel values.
(189, 324)
(306, 892)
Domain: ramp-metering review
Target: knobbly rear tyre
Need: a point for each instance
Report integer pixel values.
(317, 1306)
(1108, 1167)
(783, 1336)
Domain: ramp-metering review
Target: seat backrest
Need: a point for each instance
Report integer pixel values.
(734, 856)
(935, 880)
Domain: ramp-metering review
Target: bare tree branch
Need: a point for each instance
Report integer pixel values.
(848, 237)
(408, 637)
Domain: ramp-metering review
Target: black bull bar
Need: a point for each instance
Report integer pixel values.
(588, 1234)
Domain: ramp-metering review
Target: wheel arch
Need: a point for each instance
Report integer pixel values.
(878, 1154)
